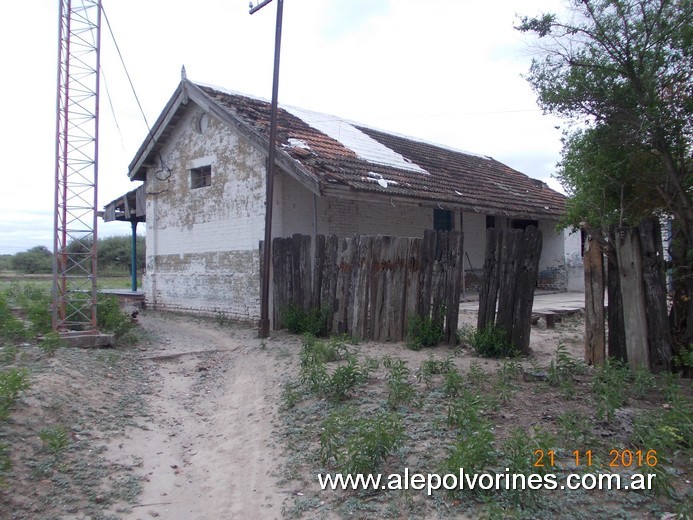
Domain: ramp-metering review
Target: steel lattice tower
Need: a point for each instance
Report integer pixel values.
(76, 167)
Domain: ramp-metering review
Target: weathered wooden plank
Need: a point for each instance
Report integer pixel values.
(439, 276)
(616, 339)
(454, 285)
(360, 285)
(509, 266)
(379, 293)
(595, 334)
(306, 268)
(280, 282)
(345, 263)
(328, 287)
(488, 294)
(654, 285)
(428, 254)
(634, 310)
(395, 288)
(318, 270)
(412, 280)
(525, 283)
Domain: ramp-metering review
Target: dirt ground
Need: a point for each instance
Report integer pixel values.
(189, 424)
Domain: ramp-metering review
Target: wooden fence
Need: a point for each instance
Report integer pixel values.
(638, 328)
(511, 268)
(370, 286)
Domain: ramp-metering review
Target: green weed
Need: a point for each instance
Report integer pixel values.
(564, 367)
(465, 412)
(12, 383)
(474, 452)
(432, 366)
(50, 343)
(299, 321)
(493, 342)
(643, 382)
(359, 445)
(476, 375)
(608, 386)
(110, 317)
(54, 438)
(424, 331)
(453, 383)
(575, 427)
(399, 389)
(373, 441)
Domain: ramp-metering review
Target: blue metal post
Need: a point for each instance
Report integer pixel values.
(133, 269)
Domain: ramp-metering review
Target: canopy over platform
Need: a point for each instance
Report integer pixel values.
(130, 207)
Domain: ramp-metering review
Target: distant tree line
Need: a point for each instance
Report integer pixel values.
(114, 255)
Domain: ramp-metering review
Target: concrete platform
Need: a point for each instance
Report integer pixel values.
(86, 339)
(560, 302)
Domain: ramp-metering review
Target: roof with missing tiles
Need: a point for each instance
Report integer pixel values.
(339, 157)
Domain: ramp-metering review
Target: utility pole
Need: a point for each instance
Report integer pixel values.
(264, 324)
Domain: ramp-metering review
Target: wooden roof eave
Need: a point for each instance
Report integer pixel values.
(137, 171)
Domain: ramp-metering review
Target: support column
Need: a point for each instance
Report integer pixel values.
(133, 268)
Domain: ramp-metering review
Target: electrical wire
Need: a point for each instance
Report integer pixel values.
(163, 166)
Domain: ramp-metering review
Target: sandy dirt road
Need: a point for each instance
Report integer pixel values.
(206, 447)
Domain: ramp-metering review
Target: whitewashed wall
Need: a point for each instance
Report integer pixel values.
(202, 244)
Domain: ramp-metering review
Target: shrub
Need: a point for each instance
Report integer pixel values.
(298, 321)
(54, 438)
(110, 317)
(360, 445)
(608, 385)
(12, 383)
(493, 342)
(399, 390)
(424, 331)
(50, 343)
(11, 328)
(474, 452)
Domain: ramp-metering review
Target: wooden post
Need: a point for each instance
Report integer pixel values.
(453, 285)
(654, 284)
(634, 310)
(511, 255)
(617, 333)
(488, 294)
(360, 286)
(595, 334)
(345, 264)
(525, 282)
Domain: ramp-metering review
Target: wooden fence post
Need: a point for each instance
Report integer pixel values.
(634, 310)
(488, 294)
(595, 338)
(654, 284)
(617, 333)
(511, 251)
(345, 262)
(453, 285)
(525, 282)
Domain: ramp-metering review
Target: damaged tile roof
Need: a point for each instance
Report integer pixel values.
(343, 155)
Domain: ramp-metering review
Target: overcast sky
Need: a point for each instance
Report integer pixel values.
(445, 71)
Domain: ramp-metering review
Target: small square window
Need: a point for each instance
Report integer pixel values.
(442, 219)
(200, 177)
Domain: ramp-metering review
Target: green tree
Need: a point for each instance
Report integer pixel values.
(35, 260)
(115, 254)
(620, 72)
